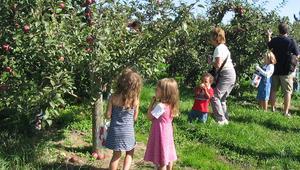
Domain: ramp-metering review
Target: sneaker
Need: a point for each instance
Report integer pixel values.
(223, 122)
(287, 115)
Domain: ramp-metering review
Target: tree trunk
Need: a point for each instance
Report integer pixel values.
(97, 120)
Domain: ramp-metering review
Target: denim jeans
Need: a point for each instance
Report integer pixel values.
(197, 115)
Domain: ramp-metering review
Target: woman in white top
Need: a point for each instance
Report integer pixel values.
(227, 76)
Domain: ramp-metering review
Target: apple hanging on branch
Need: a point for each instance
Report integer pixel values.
(240, 10)
(62, 5)
(6, 47)
(89, 2)
(8, 69)
(61, 59)
(88, 50)
(90, 39)
(26, 28)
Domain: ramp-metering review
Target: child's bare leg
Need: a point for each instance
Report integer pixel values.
(265, 105)
(164, 167)
(273, 99)
(170, 166)
(114, 162)
(128, 159)
(260, 103)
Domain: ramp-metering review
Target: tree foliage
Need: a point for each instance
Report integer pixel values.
(56, 52)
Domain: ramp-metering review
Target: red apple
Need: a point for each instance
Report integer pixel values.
(62, 5)
(17, 25)
(239, 10)
(90, 39)
(88, 12)
(61, 58)
(26, 28)
(135, 25)
(88, 50)
(8, 69)
(101, 156)
(95, 155)
(88, 2)
(74, 159)
(6, 47)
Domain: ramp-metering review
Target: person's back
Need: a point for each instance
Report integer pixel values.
(281, 46)
(122, 109)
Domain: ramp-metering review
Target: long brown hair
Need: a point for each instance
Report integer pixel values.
(128, 87)
(169, 94)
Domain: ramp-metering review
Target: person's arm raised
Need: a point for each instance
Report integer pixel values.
(269, 33)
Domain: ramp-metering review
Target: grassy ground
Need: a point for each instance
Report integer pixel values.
(253, 140)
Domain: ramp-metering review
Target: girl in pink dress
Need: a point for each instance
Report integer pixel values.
(163, 107)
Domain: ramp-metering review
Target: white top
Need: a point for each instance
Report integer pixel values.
(158, 110)
(221, 51)
(266, 71)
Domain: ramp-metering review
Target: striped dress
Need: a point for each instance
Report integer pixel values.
(120, 135)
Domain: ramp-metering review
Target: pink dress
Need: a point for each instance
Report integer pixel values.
(160, 148)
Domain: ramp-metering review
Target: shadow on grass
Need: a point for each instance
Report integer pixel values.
(267, 123)
(84, 149)
(21, 144)
(68, 166)
(295, 111)
(262, 155)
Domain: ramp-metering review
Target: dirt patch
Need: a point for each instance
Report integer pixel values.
(74, 152)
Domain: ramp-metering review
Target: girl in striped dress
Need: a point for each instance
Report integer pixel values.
(123, 107)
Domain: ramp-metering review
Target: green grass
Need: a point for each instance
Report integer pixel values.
(253, 140)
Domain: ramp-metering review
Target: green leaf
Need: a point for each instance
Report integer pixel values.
(49, 122)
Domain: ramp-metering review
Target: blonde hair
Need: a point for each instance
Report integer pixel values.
(269, 56)
(128, 87)
(169, 94)
(211, 78)
(218, 35)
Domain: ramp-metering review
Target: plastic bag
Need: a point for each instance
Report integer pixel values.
(103, 132)
(256, 79)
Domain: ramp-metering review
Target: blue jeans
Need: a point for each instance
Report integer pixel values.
(194, 115)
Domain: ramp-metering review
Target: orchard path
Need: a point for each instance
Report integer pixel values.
(74, 153)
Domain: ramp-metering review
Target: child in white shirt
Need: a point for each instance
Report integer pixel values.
(266, 72)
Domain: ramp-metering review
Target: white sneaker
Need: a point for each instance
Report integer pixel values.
(287, 115)
(223, 122)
